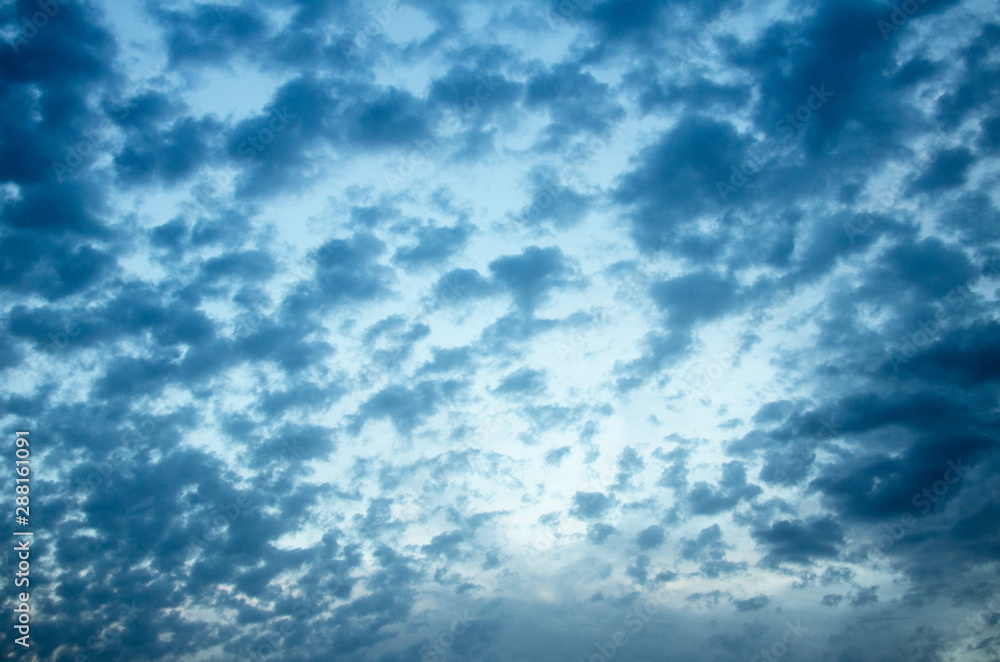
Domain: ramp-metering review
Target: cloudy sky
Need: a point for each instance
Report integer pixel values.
(503, 331)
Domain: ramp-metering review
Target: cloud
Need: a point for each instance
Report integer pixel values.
(590, 505)
(703, 499)
(529, 276)
(674, 182)
(752, 604)
(524, 382)
(800, 542)
(434, 245)
(651, 537)
(404, 407)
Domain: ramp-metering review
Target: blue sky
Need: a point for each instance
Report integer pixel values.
(504, 331)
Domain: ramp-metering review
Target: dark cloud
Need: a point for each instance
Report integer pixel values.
(524, 382)
(704, 499)
(210, 33)
(347, 270)
(461, 285)
(590, 505)
(405, 407)
(800, 542)
(446, 360)
(168, 155)
(651, 537)
(576, 103)
(948, 171)
(864, 597)
(530, 275)
(393, 118)
(598, 533)
(433, 246)
(752, 604)
(554, 203)
(674, 182)
(708, 545)
(832, 599)
(694, 297)
(556, 455)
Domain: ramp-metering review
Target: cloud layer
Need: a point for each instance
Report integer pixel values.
(504, 331)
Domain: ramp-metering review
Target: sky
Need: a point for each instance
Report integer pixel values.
(416, 331)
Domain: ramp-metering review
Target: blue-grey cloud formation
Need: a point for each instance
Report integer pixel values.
(562, 330)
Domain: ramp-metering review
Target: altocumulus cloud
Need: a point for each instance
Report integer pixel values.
(379, 331)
